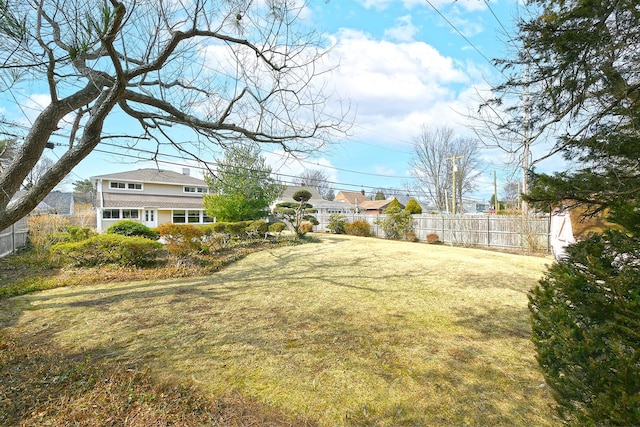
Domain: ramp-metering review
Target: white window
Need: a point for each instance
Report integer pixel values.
(194, 216)
(195, 190)
(111, 214)
(126, 185)
(179, 217)
(130, 213)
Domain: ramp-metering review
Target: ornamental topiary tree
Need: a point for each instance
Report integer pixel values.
(296, 213)
(586, 329)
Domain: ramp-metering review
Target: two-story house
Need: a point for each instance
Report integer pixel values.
(149, 196)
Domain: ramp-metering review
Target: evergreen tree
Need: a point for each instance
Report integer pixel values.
(413, 207)
(397, 222)
(242, 188)
(583, 84)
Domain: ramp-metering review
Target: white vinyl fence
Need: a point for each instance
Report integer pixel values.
(13, 238)
(500, 231)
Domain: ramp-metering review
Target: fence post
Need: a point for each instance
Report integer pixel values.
(488, 231)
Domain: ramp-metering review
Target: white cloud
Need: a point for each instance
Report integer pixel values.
(404, 31)
(467, 5)
(287, 168)
(383, 170)
(397, 87)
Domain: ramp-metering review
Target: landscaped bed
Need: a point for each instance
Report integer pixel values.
(348, 331)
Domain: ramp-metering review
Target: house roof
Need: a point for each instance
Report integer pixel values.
(56, 202)
(152, 175)
(350, 197)
(141, 200)
(375, 204)
(62, 203)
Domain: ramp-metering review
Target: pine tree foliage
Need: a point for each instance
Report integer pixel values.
(579, 66)
(586, 330)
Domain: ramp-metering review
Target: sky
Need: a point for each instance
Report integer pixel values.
(402, 65)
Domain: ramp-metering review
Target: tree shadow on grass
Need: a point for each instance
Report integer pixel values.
(42, 384)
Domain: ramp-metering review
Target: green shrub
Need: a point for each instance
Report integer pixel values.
(259, 226)
(132, 228)
(358, 228)
(585, 317)
(277, 227)
(236, 229)
(71, 233)
(108, 249)
(218, 227)
(397, 223)
(337, 223)
(182, 239)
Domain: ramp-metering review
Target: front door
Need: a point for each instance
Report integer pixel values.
(150, 218)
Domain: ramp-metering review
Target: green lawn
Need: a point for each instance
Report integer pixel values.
(347, 332)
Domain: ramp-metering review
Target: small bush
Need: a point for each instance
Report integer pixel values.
(337, 223)
(358, 228)
(259, 226)
(132, 228)
(182, 239)
(44, 231)
(411, 237)
(433, 238)
(306, 227)
(277, 227)
(71, 233)
(108, 249)
(218, 227)
(236, 229)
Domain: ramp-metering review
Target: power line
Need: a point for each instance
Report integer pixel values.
(462, 35)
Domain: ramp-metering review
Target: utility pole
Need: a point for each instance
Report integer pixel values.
(496, 203)
(454, 169)
(525, 144)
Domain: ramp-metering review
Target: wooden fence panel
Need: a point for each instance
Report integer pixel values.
(13, 238)
(507, 232)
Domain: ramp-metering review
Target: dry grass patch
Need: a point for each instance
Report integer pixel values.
(352, 331)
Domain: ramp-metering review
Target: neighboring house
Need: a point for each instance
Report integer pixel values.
(60, 203)
(56, 203)
(321, 205)
(474, 206)
(375, 207)
(360, 203)
(150, 196)
(352, 199)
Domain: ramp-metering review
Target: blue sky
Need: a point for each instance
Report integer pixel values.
(403, 64)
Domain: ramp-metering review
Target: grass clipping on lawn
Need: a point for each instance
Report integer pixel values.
(350, 331)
